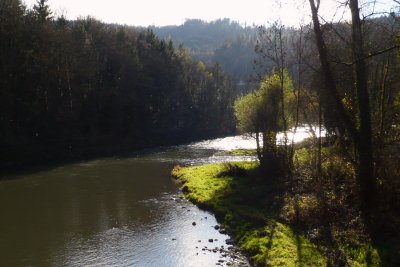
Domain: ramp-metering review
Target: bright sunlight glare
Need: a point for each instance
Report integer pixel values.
(175, 12)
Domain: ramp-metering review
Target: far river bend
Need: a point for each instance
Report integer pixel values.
(113, 212)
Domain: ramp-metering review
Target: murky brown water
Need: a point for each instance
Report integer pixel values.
(109, 212)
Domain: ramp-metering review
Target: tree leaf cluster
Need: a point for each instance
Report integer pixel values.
(261, 113)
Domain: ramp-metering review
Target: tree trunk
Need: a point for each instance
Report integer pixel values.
(361, 137)
(281, 63)
(382, 101)
(259, 154)
(364, 144)
(328, 75)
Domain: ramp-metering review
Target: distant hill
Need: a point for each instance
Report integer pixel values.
(221, 41)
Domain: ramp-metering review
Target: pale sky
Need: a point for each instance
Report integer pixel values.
(175, 12)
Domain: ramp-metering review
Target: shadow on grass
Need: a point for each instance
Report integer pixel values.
(277, 225)
(250, 209)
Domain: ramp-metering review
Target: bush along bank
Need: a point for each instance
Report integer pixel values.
(273, 224)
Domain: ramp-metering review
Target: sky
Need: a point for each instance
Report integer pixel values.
(175, 12)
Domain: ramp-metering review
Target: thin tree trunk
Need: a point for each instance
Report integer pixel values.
(319, 162)
(383, 101)
(69, 85)
(328, 75)
(362, 137)
(365, 149)
(259, 155)
(298, 95)
(281, 61)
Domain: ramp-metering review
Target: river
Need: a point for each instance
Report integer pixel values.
(109, 212)
(113, 212)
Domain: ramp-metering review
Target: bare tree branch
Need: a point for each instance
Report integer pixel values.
(381, 52)
(342, 38)
(342, 63)
(373, 54)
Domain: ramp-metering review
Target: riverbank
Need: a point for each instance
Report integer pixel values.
(248, 212)
(276, 225)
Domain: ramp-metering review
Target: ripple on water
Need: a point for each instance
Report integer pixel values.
(171, 240)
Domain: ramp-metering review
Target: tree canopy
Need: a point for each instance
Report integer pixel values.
(260, 113)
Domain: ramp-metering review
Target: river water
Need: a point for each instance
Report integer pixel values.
(109, 212)
(113, 212)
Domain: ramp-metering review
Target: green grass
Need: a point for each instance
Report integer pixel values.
(276, 244)
(269, 222)
(248, 210)
(241, 152)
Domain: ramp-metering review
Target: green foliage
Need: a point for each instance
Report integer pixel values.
(264, 113)
(246, 113)
(270, 91)
(260, 110)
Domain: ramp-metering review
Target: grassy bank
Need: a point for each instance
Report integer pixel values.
(249, 212)
(278, 226)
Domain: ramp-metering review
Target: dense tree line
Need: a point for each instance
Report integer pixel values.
(74, 88)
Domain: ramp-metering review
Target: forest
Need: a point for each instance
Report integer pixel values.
(75, 89)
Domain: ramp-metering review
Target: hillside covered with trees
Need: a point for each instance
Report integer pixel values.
(222, 41)
(71, 89)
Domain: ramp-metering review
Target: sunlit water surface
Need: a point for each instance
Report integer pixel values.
(113, 212)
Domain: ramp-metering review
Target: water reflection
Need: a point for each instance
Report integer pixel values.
(111, 212)
(249, 142)
(148, 242)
